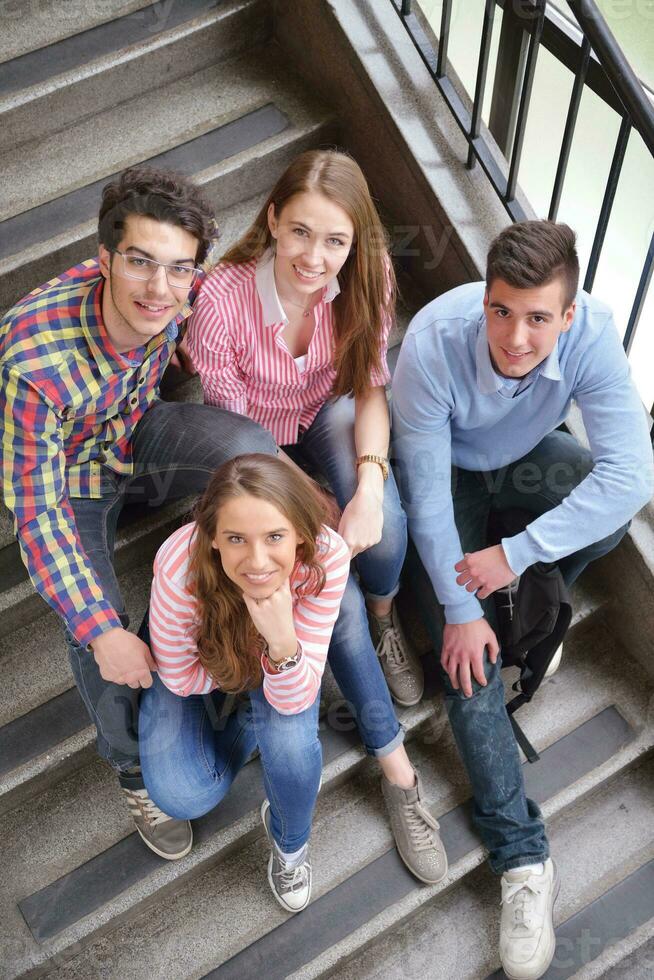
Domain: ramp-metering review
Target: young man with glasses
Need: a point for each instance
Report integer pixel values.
(84, 432)
(483, 383)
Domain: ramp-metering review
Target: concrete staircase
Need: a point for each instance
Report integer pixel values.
(203, 86)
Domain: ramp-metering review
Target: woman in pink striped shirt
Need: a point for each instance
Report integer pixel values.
(244, 599)
(291, 328)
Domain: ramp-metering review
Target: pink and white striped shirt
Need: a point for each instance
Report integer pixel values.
(172, 620)
(235, 341)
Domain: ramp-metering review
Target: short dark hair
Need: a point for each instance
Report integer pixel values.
(534, 253)
(159, 194)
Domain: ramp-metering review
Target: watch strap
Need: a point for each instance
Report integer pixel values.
(279, 666)
(381, 461)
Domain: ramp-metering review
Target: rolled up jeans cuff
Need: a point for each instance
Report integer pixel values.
(389, 747)
(380, 598)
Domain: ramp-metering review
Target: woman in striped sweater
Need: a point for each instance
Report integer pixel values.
(244, 599)
(291, 328)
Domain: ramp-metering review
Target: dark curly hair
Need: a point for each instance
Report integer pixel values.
(160, 194)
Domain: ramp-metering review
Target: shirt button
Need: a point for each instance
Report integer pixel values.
(134, 400)
(142, 379)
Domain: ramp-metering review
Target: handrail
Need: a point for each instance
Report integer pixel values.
(618, 70)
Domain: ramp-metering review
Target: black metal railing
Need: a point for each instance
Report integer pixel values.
(596, 60)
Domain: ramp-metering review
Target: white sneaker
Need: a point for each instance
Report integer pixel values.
(527, 940)
(290, 886)
(555, 663)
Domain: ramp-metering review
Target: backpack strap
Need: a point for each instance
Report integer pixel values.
(520, 737)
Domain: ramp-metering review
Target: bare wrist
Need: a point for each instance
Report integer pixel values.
(281, 650)
(371, 480)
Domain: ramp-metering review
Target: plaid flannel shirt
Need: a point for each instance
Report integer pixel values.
(69, 404)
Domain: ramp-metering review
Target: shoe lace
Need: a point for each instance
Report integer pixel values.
(292, 878)
(522, 895)
(420, 825)
(148, 808)
(390, 649)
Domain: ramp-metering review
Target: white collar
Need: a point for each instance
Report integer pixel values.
(264, 279)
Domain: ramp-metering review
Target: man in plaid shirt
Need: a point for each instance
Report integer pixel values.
(83, 432)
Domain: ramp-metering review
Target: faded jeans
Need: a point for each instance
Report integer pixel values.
(192, 749)
(176, 448)
(511, 826)
(328, 446)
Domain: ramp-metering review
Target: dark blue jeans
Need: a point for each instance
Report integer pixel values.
(176, 448)
(510, 825)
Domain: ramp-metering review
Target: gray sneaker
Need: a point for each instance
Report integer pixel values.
(290, 886)
(416, 832)
(169, 838)
(399, 661)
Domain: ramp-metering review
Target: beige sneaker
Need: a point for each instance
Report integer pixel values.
(416, 832)
(527, 939)
(399, 661)
(169, 838)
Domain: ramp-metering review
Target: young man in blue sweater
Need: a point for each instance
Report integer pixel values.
(485, 377)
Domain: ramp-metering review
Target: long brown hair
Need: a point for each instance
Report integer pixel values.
(229, 646)
(367, 280)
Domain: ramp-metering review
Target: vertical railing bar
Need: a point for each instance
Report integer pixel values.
(444, 39)
(570, 124)
(482, 72)
(525, 98)
(639, 299)
(607, 203)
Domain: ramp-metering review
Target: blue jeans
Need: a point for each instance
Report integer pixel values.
(192, 748)
(328, 446)
(175, 448)
(510, 825)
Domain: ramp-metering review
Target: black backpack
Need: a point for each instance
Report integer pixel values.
(532, 621)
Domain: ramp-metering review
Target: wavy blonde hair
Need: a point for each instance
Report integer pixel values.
(367, 280)
(229, 646)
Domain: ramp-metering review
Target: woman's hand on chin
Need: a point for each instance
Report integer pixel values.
(362, 521)
(273, 617)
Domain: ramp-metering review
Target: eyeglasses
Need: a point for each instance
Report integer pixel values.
(137, 267)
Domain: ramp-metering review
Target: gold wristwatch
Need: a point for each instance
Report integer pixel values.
(371, 458)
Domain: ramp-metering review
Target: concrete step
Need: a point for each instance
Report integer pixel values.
(78, 834)
(27, 27)
(185, 108)
(602, 890)
(233, 126)
(590, 722)
(42, 92)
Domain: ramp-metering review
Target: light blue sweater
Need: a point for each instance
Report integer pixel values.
(448, 409)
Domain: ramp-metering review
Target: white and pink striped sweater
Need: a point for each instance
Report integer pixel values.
(172, 617)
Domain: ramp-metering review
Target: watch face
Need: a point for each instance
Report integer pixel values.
(287, 664)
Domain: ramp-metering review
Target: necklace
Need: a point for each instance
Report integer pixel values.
(305, 311)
